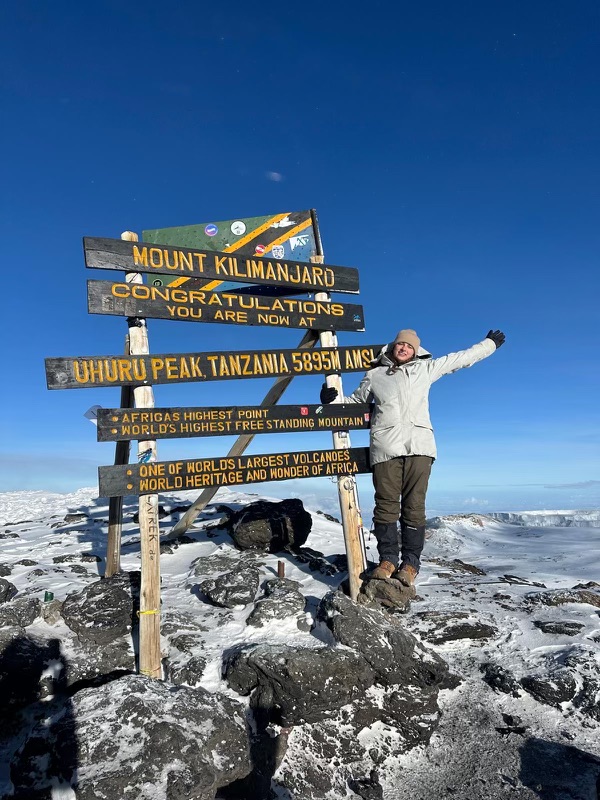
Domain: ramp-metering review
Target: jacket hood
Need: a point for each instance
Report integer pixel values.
(384, 357)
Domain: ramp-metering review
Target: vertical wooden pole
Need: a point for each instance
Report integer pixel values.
(347, 488)
(115, 504)
(149, 645)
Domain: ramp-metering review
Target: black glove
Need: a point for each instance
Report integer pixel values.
(497, 338)
(328, 394)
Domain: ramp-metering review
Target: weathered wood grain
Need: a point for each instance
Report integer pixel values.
(185, 262)
(174, 476)
(123, 424)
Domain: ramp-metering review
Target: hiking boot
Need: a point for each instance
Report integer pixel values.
(406, 574)
(385, 570)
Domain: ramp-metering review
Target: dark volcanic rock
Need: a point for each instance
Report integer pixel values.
(90, 665)
(564, 628)
(558, 597)
(388, 593)
(367, 788)
(188, 672)
(475, 631)
(395, 655)
(224, 560)
(270, 527)
(22, 611)
(296, 684)
(75, 517)
(4, 570)
(283, 599)
(185, 743)
(318, 563)
(500, 679)
(104, 610)
(235, 588)
(560, 687)
(7, 590)
(23, 659)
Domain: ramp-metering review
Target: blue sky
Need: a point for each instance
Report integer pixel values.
(451, 152)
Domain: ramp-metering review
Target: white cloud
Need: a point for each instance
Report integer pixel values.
(475, 501)
(277, 177)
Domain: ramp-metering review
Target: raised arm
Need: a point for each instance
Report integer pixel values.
(439, 367)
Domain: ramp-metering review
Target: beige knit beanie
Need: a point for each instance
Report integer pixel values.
(410, 337)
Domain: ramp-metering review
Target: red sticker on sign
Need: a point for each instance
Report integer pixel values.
(259, 249)
(304, 411)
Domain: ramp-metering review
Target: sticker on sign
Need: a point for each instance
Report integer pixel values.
(211, 230)
(238, 227)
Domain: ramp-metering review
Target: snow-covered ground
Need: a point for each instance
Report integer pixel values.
(478, 571)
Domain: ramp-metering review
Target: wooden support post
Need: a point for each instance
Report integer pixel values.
(309, 340)
(115, 504)
(347, 488)
(149, 645)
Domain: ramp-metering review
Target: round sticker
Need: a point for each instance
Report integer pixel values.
(238, 227)
(259, 249)
(211, 230)
(278, 251)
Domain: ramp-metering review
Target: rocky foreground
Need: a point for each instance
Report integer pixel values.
(486, 685)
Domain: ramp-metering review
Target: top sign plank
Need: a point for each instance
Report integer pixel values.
(184, 262)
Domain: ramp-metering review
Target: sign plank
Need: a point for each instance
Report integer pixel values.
(185, 262)
(123, 424)
(83, 372)
(197, 305)
(173, 476)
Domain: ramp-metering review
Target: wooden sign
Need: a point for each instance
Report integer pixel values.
(92, 371)
(184, 262)
(197, 305)
(172, 476)
(118, 424)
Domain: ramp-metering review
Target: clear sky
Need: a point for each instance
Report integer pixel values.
(451, 152)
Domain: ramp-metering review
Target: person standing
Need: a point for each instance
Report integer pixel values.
(402, 445)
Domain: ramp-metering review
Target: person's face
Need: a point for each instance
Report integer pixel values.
(403, 352)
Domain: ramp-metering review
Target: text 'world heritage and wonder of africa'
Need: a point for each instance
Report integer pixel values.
(172, 476)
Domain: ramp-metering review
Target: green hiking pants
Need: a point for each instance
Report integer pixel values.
(400, 489)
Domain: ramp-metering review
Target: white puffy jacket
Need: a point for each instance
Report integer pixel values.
(400, 424)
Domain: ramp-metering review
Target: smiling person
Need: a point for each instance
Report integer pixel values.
(402, 446)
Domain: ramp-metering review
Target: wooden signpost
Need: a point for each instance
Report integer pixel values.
(115, 254)
(117, 424)
(190, 295)
(197, 305)
(196, 473)
(81, 372)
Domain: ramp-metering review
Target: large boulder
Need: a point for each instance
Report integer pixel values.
(270, 527)
(233, 589)
(23, 661)
(104, 610)
(394, 654)
(140, 738)
(283, 600)
(7, 590)
(291, 685)
(21, 611)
